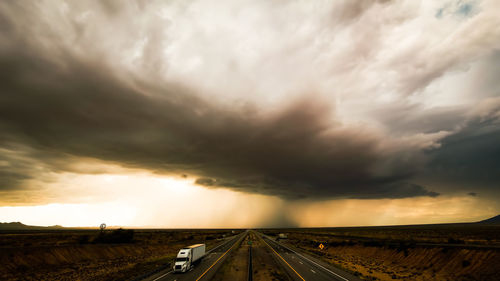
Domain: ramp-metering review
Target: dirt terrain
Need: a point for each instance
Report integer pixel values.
(442, 252)
(235, 267)
(75, 255)
(419, 263)
(265, 264)
(265, 267)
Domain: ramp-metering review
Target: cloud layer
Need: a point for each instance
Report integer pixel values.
(334, 100)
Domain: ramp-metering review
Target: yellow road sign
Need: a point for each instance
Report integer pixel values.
(321, 246)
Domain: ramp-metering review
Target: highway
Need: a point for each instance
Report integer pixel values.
(302, 267)
(298, 266)
(206, 268)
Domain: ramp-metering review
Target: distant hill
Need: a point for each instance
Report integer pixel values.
(21, 226)
(493, 220)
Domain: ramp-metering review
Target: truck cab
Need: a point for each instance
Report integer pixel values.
(183, 261)
(188, 256)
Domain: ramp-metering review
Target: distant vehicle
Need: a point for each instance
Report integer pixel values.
(282, 236)
(188, 256)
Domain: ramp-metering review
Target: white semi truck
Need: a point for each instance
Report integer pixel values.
(188, 256)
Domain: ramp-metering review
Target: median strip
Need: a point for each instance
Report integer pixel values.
(282, 259)
(216, 261)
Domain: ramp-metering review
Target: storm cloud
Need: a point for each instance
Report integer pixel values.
(308, 129)
(294, 152)
(469, 159)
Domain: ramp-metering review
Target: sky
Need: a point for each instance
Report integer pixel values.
(249, 113)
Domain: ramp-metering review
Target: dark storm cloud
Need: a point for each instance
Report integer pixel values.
(64, 95)
(469, 159)
(15, 169)
(77, 108)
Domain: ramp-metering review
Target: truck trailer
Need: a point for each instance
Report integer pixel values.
(188, 256)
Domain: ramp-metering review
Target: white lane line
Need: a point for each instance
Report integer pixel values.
(324, 268)
(210, 253)
(301, 262)
(313, 271)
(163, 275)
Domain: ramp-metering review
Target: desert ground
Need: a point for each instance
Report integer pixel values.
(426, 252)
(84, 255)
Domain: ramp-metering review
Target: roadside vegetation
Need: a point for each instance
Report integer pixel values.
(428, 252)
(119, 254)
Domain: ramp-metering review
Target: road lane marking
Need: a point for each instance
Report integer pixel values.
(163, 275)
(313, 271)
(301, 262)
(316, 263)
(216, 261)
(283, 259)
(210, 253)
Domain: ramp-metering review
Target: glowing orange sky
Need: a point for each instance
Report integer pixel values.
(249, 113)
(141, 199)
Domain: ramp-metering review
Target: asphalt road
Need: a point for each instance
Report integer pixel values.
(206, 268)
(302, 267)
(299, 265)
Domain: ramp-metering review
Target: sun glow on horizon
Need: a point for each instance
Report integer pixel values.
(142, 199)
